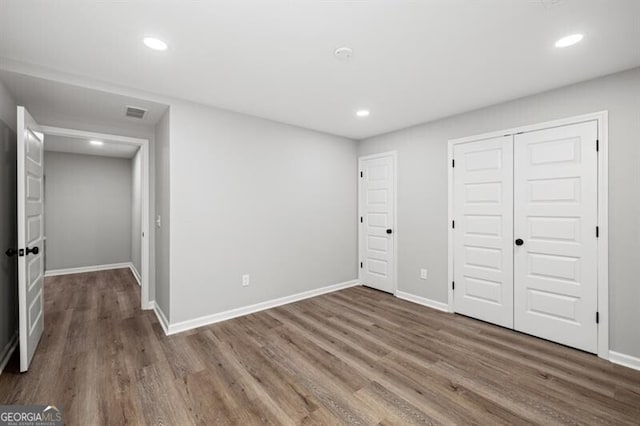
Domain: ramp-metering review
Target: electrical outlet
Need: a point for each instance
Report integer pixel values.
(245, 280)
(423, 274)
(158, 221)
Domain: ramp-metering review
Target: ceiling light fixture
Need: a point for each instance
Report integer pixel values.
(362, 113)
(155, 43)
(569, 40)
(96, 143)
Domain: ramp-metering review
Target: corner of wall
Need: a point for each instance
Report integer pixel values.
(162, 210)
(8, 105)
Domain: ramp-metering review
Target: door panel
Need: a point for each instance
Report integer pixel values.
(555, 270)
(377, 204)
(483, 214)
(30, 235)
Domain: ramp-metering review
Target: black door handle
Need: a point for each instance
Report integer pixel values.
(34, 250)
(11, 252)
(519, 242)
(389, 231)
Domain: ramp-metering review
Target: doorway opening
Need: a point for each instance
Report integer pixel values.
(96, 204)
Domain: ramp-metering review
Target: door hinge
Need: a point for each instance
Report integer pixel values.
(597, 317)
(597, 145)
(453, 285)
(360, 265)
(361, 174)
(597, 232)
(453, 162)
(360, 219)
(453, 224)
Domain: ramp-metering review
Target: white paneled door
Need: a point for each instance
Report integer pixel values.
(30, 236)
(525, 232)
(377, 218)
(483, 227)
(555, 182)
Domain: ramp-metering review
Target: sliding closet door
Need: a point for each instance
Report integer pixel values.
(555, 269)
(483, 214)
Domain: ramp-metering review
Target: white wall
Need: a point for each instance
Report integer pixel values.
(422, 188)
(162, 209)
(8, 224)
(87, 210)
(136, 211)
(250, 196)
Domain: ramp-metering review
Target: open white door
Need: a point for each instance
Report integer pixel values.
(30, 235)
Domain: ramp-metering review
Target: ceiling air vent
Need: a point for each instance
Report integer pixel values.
(547, 4)
(136, 112)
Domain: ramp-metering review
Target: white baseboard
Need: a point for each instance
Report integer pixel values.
(162, 319)
(246, 310)
(83, 269)
(136, 274)
(7, 351)
(441, 306)
(623, 359)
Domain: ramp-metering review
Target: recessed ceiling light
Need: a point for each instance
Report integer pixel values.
(96, 143)
(362, 113)
(569, 40)
(155, 43)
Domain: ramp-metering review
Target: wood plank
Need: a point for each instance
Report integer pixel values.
(357, 356)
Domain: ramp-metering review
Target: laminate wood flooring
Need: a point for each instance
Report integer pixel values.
(357, 356)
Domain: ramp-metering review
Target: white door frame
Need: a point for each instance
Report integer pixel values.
(602, 119)
(145, 237)
(394, 235)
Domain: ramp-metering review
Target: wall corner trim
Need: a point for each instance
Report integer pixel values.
(162, 318)
(434, 304)
(136, 275)
(624, 360)
(246, 310)
(7, 351)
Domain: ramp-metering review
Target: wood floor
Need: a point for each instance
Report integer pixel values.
(356, 356)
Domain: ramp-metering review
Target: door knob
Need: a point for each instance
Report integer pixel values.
(34, 250)
(519, 242)
(11, 252)
(389, 231)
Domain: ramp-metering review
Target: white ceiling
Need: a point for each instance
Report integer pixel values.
(51, 101)
(83, 146)
(413, 61)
